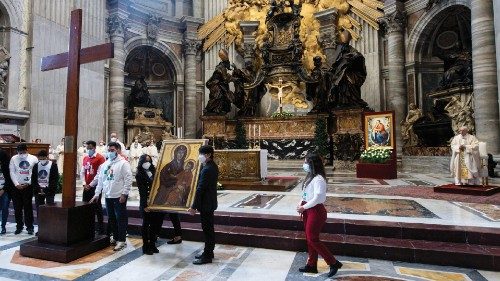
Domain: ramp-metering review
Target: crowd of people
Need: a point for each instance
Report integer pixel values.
(105, 172)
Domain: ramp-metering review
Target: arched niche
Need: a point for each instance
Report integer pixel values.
(158, 72)
(438, 32)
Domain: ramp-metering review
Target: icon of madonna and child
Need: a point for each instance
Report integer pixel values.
(176, 179)
(379, 133)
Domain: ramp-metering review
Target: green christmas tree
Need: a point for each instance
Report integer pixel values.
(320, 142)
(241, 136)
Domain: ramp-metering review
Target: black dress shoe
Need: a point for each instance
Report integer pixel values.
(146, 250)
(202, 255)
(202, 261)
(334, 268)
(4, 230)
(309, 269)
(154, 249)
(18, 231)
(173, 241)
(31, 231)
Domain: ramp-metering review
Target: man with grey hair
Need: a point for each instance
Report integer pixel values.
(465, 161)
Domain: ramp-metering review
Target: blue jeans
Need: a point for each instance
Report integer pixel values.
(117, 218)
(4, 207)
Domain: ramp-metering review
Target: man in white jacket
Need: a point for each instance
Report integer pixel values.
(114, 180)
(20, 168)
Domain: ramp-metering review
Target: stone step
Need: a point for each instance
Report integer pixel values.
(395, 249)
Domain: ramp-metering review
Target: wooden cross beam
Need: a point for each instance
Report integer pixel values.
(73, 59)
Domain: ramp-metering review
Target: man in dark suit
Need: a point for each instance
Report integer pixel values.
(205, 201)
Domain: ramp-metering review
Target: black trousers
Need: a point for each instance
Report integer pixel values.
(23, 202)
(42, 199)
(176, 222)
(86, 197)
(151, 226)
(207, 224)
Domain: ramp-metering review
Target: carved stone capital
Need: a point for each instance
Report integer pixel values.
(153, 25)
(190, 46)
(395, 22)
(116, 26)
(248, 50)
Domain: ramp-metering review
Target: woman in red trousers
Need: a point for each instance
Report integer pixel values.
(314, 215)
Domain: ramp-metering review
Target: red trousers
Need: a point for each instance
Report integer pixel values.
(314, 220)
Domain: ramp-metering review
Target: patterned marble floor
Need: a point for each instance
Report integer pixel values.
(410, 198)
(230, 263)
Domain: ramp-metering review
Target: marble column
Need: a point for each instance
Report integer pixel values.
(116, 105)
(394, 25)
(25, 57)
(484, 69)
(191, 47)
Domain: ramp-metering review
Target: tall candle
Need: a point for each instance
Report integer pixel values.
(259, 131)
(254, 134)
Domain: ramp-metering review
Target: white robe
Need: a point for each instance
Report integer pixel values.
(81, 152)
(101, 149)
(60, 158)
(152, 151)
(472, 160)
(135, 153)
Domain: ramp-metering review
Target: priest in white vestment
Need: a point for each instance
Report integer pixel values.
(60, 156)
(152, 151)
(101, 148)
(465, 160)
(81, 152)
(135, 153)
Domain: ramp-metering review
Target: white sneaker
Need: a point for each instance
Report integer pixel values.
(119, 246)
(112, 241)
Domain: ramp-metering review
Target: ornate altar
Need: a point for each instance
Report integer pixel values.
(241, 164)
(283, 138)
(148, 125)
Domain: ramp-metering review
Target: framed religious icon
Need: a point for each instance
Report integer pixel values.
(379, 129)
(176, 178)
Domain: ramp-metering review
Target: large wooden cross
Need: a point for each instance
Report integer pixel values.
(72, 59)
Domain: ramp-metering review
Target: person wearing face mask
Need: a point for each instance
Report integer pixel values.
(20, 169)
(6, 187)
(44, 179)
(81, 153)
(114, 138)
(205, 202)
(151, 221)
(314, 214)
(90, 166)
(114, 180)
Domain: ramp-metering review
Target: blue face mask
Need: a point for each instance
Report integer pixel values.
(91, 152)
(306, 167)
(111, 155)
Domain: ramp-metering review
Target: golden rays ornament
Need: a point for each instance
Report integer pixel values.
(224, 28)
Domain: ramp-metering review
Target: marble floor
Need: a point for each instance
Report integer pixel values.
(230, 263)
(410, 199)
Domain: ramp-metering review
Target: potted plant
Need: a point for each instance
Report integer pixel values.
(376, 155)
(376, 162)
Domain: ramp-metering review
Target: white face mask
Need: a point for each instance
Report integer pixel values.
(23, 155)
(146, 165)
(202, 158)
(306, 167)
(113, 139)
(44, 162)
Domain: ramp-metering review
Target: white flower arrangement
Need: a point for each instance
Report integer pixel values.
(376, 154)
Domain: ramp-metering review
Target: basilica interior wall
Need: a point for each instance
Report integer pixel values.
(48, 91)
(496, 11)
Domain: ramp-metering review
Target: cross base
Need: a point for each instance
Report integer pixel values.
(65, 234)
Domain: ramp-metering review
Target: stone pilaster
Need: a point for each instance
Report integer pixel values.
(25, 58)
(394, 27)
(328, 32)
(191, 46)
(116, 29)
(484, 69)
